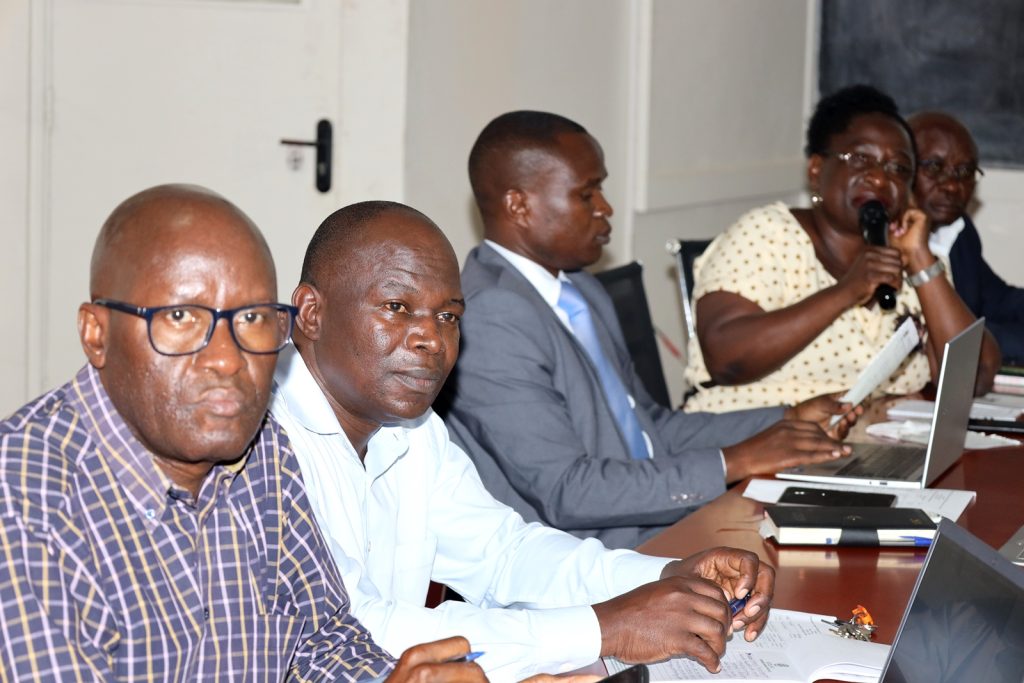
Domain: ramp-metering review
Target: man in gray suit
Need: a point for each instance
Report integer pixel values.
(544, 398)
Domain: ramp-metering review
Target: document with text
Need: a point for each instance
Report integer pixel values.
(795, 647)
(883, 364)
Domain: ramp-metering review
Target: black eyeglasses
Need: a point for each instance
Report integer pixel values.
(937, 169)
(861, 162)
(185, 329)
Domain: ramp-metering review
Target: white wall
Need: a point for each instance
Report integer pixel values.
(998, 217)
(698, 105)
(723, 132)
(14, 183)
(470, 61)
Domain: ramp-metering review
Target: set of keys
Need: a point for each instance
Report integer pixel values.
(859, 627)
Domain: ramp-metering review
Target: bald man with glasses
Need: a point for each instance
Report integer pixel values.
(947, 174)
(153, 522)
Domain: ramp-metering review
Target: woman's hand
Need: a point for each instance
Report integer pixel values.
(874, 266)
(910, 235)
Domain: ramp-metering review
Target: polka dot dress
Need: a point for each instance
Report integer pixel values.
(767, 258)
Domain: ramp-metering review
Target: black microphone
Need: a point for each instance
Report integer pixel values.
(874, 222)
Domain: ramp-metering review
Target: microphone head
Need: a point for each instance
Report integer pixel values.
(874, 221)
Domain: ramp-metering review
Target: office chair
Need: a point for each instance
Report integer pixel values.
(625, 286)
(686, 252)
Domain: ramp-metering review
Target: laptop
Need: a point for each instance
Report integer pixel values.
(1013, 549)
(911, 466)
(965, 619)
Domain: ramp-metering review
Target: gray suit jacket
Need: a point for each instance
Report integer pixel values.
(525, 403)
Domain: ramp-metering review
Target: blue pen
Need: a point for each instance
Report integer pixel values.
(919, 541)
(468, 657)
(737, 604)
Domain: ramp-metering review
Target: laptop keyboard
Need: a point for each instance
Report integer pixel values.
(881, 461)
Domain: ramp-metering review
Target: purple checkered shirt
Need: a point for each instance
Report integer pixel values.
(110, 572)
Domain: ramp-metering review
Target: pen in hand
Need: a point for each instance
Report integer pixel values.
(468, 657)
(736, 605)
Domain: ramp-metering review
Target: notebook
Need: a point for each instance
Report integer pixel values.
(965, 619)
(911, 466)
(869, 526)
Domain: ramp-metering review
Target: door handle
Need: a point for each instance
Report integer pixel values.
(324, 144)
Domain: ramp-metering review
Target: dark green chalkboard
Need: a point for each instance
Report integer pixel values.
(961, 56)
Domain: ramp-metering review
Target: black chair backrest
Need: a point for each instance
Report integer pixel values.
(689, 250)
(625, 286)
(686, 252)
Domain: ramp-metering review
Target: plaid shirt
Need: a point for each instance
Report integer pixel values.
(108, 571)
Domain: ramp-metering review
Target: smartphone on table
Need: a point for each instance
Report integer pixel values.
(799, 495)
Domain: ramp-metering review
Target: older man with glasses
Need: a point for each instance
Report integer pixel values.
(947, 173)
(153, 522)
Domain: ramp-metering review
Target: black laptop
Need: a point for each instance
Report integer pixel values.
(965, 620)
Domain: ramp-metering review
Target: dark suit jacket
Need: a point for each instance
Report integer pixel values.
(986, 294)
(525, 403)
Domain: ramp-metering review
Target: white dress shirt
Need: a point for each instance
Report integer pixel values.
(941, 240)
(417, 511)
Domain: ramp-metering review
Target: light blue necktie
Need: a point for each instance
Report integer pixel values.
(573, 303)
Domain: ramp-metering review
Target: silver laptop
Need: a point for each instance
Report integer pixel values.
(914, 467)
(965, 619)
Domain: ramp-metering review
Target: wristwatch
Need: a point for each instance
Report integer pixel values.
(922, 276)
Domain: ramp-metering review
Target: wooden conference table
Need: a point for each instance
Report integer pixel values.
(835, 580)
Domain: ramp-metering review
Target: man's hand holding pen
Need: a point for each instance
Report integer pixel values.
(741, 575)
(688, 612)
(447, 660)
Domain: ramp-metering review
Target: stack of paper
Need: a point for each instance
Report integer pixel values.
(936, 502)
(1003, 400)
(1010, 379)
(981, 409)
(795, 647)
(917, 432)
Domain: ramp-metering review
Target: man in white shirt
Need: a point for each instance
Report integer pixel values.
(376, 335)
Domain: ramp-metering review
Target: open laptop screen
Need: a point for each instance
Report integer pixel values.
(965, 621)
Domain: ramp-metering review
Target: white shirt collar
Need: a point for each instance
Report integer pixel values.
(308, 405)
(941, 240)
(303, 396)
(547, 285)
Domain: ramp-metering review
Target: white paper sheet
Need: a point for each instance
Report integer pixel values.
(882, 365)
(1005, 400)
(793, 647)
(935, 502)
(981, 409)
(918, 432)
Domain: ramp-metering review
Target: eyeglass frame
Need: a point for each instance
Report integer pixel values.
(147, 313)
(945, 171)
(871, 163)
